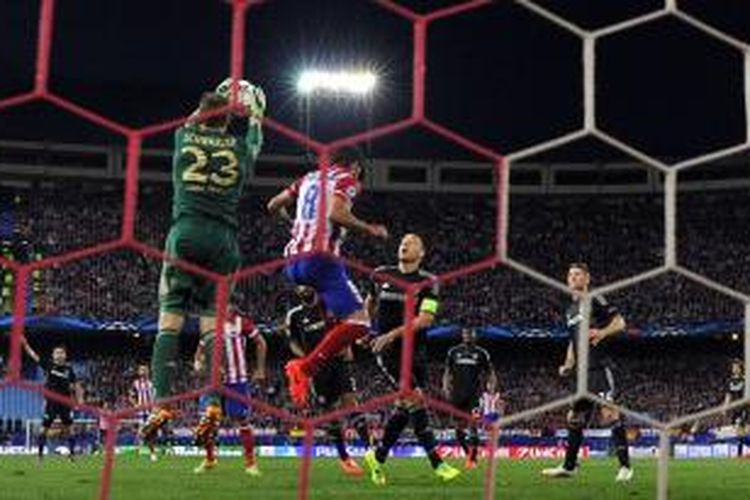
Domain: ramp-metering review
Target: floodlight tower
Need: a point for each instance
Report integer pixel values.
(340, 85)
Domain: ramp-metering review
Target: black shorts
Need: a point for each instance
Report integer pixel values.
(465, 400)
(390, 365)
(602, 384)
(54, 410)
(333, 381)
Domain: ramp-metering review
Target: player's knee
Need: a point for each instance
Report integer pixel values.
(207, 324)
(348, 399)
(360, 317)
(169, 321)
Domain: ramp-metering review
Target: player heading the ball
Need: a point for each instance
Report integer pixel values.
(323, 272)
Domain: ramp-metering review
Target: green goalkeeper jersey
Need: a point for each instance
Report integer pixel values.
(210, 169)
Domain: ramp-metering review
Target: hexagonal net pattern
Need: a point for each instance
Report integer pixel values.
(418, 118)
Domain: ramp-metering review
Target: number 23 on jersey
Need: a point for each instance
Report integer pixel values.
(216, 168)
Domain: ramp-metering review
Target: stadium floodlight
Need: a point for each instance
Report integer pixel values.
(354, 83)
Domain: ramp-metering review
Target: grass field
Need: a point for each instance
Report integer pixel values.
(409, 479)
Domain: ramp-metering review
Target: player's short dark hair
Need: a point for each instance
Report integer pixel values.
(349, 155)
(60, 346)
(580, 265)
(211, 101)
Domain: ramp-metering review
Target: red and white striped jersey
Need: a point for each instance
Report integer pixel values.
(142, 391)
(491, 404)
(340, 182)
(237, 330)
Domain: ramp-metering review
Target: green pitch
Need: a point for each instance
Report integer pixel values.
(408, 479)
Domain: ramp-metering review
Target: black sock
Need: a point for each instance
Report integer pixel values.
(426, 438)
(42, 442)
(338, 439)
(461, 438)
(575, 439)
(620, 443)
(71, 444)
(393, 429)
(359, 422)
(474, 442)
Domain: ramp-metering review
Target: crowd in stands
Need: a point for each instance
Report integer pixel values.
(618, 236)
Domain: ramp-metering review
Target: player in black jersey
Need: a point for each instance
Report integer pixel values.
(60, 379)
(605, 323)
(386, 303)
(468, 372)
(736, 391)
(333, 386)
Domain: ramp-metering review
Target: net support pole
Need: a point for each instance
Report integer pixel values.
(746, 75)
(747, 349)
(662, 475)
(582, 355)
(670, 218)
(589, 83)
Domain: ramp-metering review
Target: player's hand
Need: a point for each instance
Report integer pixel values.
(380, 343)
(377, 231)
(197, 365)
(595, 336)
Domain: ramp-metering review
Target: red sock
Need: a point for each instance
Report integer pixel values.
(336, 340)
(248, 444)
(210, 451)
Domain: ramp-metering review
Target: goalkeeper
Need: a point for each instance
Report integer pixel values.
(209, 171)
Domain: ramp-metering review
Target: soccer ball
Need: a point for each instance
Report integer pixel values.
(250, 96)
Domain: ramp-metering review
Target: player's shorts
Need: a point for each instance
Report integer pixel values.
(329, 278)
(333, 381)
(390, 365)
(466, 401)
(601, 383)
(53, 411)
(232, 408)
(205, 242)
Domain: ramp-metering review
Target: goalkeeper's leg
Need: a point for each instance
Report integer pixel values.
(163, 368)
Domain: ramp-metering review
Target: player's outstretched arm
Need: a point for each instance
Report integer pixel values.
(570, 361)
(615, 326)
(492, 380)
(341, 214)
(261, 352)
(29, 351)
(277, 206)
(198, 357)
(447, 381)
(78, 392)
(423, 320)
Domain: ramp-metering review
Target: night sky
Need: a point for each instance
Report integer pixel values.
(499, 74)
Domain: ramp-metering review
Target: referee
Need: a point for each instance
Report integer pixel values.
(59, 379)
